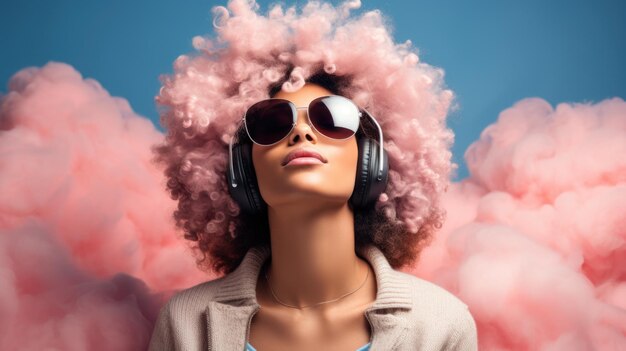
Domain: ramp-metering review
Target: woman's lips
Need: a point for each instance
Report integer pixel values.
(304, 161)
(307, 154)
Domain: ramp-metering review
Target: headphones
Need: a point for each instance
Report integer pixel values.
(371, 174)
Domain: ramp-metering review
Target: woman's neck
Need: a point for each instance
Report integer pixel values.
(313, 254)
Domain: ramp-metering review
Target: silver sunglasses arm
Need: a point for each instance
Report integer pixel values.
(230, 159)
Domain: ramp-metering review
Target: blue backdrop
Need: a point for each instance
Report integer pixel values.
(494, 53)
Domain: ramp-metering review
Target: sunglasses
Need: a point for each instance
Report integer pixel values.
(269, 121)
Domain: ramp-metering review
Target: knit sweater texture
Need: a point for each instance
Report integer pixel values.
(409, 313)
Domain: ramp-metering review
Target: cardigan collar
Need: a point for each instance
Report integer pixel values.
(235, 303)
(392, 291)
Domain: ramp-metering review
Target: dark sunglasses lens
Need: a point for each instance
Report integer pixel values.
(334, 116)
(269, 121)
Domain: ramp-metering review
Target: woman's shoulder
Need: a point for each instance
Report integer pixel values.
(239, 284)
(426, 292)
(194, 298)
(440, 314)
(178, 322)
(433, 302)
(440, 317)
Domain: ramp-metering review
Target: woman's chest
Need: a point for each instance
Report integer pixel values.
(343, 332)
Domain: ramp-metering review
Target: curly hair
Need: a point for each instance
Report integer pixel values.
(202, 102)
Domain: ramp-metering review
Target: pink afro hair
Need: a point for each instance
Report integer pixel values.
(204, 99)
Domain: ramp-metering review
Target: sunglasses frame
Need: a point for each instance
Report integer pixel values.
(295, 110)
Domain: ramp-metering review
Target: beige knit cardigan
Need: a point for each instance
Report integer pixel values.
(409, 313)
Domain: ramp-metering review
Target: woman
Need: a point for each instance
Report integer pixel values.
(292, 202)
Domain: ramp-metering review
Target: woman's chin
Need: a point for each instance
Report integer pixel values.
(307, 197)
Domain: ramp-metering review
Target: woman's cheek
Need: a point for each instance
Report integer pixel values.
(344, 166)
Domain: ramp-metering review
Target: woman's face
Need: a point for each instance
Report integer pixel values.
(298, 183)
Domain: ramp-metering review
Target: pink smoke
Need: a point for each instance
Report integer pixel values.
(86, 228)
(535, 240)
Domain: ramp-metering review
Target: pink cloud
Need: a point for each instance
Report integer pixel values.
(535, 240)
(86, 228)
(47, 302)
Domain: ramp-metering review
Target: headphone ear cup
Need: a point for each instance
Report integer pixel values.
(247, 193)
(367, 187)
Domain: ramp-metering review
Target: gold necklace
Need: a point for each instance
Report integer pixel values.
(319, 303)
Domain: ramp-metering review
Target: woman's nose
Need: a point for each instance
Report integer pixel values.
(302, 130)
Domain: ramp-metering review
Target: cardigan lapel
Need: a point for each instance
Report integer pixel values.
(227, 326)
(388, 330)
(234, 304)
(229, 313)
(387, 316)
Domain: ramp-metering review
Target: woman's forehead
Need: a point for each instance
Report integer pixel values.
(304, 95)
